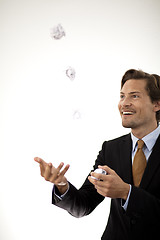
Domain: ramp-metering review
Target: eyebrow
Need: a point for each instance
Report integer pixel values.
(130, 92)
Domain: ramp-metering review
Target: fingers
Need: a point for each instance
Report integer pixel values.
(38, 160)
(100, 186)
(58, 177)
(101, 181)
(93, 181)
(50, 173)
(111, 185)
(47, 172)
(60, 167)
(98, 176)
(107, 169)
(42, 165)
(62, 173)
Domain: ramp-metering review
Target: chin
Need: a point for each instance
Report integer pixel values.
(128, 125)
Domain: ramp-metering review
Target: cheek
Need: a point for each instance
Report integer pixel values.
(119, 106)
(146, 111)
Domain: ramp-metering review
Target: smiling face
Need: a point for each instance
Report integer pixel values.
(137, 110)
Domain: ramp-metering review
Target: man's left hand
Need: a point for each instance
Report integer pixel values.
(110, 185)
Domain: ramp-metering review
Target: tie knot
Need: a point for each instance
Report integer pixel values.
(140, 144)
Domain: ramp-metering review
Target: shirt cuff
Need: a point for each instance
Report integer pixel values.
(125, 205)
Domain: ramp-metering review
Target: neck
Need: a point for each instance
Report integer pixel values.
(140, 133)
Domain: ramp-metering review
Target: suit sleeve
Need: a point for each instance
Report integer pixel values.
(143, 205)
(83, 201)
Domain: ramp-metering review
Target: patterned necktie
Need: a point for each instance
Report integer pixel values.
(139, 164)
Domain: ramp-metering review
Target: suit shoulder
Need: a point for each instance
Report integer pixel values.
(117, 140)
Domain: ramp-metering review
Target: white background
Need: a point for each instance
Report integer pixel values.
(37, 101)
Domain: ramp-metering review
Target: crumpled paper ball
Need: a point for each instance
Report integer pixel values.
(57, 32)
(71, 73)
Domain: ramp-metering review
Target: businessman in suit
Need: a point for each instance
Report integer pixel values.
(132, 163)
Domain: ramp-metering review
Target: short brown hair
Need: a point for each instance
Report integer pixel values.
(152, 86)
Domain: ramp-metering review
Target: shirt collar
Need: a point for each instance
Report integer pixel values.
(149, 139)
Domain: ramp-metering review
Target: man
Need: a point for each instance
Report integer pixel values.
(133, 171)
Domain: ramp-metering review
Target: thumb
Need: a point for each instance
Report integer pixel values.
(107, 169)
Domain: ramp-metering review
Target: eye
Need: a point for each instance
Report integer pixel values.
(135, 96)
(121, 96)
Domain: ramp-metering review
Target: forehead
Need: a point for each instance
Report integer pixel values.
(134, 85)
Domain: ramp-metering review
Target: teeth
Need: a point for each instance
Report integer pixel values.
(127, 113)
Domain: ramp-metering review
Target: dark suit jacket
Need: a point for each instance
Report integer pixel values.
(141, 220)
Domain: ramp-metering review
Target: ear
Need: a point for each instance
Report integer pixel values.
(157, 106)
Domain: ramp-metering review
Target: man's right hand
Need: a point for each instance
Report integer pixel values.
(54, 175)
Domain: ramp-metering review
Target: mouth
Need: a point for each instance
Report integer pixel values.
(127, 113)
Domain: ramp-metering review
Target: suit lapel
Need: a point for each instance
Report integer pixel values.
(152, 165)
(126, 159)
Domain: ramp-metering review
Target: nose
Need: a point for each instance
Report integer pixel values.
(126, 102)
